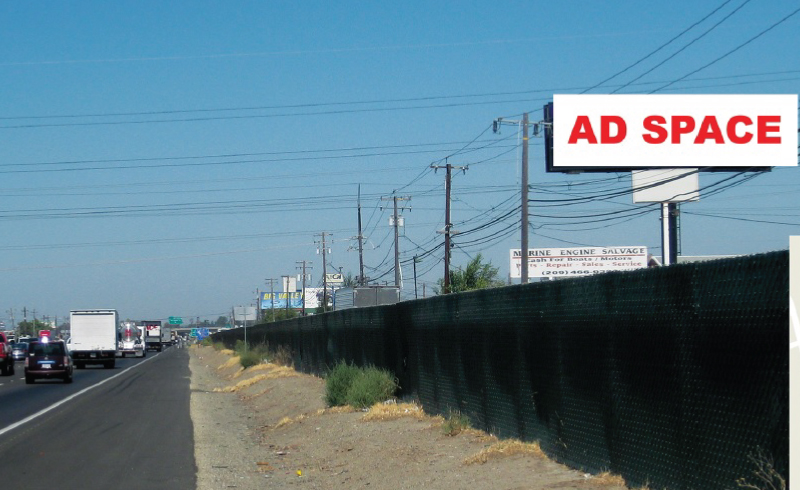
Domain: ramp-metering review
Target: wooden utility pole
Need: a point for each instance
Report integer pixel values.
(396, 223)
(361, 278)
(272, 298)
(524, 224)
(324, 272)
(303, 266)
(448, 224)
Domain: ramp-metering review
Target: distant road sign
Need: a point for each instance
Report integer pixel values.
(175, 320)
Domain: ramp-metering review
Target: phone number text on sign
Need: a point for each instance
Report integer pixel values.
(585, 261)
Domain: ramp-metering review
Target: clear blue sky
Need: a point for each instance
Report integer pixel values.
(165, 158)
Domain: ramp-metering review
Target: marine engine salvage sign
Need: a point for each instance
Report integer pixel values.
(578, 262)
(675, 130)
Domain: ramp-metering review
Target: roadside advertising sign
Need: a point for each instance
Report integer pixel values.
(336, 278)
(295, 300)
(675, 130)
(578, 262)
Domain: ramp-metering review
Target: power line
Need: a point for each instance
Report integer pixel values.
(615, 75)
(737, 48)
(676, 53)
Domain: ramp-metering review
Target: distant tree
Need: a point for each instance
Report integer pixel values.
(31, 328)
(280, 314)
(221, 322)
(476, 275)
(350, 281)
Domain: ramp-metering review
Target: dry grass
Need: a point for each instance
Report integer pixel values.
(274, 371)
(289, 421)
(610, 479)
(233, 361)
(229, 352)
(381, 412)
(336, 409)
(505, 448)
(241, 384)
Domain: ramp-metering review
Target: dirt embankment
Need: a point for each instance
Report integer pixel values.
(268, 427)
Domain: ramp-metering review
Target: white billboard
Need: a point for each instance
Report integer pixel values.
(674, 130)
(578, 262)
(666, 185)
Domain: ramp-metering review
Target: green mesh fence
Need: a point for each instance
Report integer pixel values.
(670, 377)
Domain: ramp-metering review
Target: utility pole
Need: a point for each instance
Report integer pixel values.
(324, 272)
(396, 223)
(448, 224)
(361, 278)
(303, 295)
(524, 208)
(415, 278)
(272, 298)
(286, 289)
(524, 228)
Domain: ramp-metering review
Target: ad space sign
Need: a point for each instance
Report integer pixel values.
(675, 130)
(578, 262)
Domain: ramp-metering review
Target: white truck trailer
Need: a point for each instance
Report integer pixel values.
(93, 337)
(166, 335)
(152, 335)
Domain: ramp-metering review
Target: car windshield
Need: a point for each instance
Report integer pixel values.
(19, 346)
(47, 349)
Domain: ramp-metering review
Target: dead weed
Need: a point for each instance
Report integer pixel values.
(381, 412)
(504, 448)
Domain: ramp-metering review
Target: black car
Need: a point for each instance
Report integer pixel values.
(19, 351)
(48, 360)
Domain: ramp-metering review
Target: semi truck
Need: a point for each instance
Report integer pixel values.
(93, 337)
(130, 341)
(153, 335)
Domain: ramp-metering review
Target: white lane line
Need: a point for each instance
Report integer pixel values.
(65, 400)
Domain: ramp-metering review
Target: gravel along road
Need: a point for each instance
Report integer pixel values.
(267, 427)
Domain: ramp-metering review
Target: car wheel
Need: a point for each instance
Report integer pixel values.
(11, 369)
(29, 380)
(68, 378)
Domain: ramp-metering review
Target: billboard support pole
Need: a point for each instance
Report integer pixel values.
(666, 254)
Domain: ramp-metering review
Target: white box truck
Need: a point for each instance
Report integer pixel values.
(93, 337)
(152, 334)
(166, 335)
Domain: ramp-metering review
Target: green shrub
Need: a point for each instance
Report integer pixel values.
(249, 358)
(371, 386)
(207, 342)
(455, 423)
(218, 346)
(240, 347)
(338, 382)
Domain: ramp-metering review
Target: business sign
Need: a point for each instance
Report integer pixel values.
(647, 131)
(578, 262)
(334, 278)
(279, 300)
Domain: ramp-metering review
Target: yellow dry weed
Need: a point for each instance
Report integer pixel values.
(505, 448)
(392, 411)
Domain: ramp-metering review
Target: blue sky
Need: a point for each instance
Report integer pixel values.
(166, 158)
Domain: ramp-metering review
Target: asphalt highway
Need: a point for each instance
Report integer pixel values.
(122, 428)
